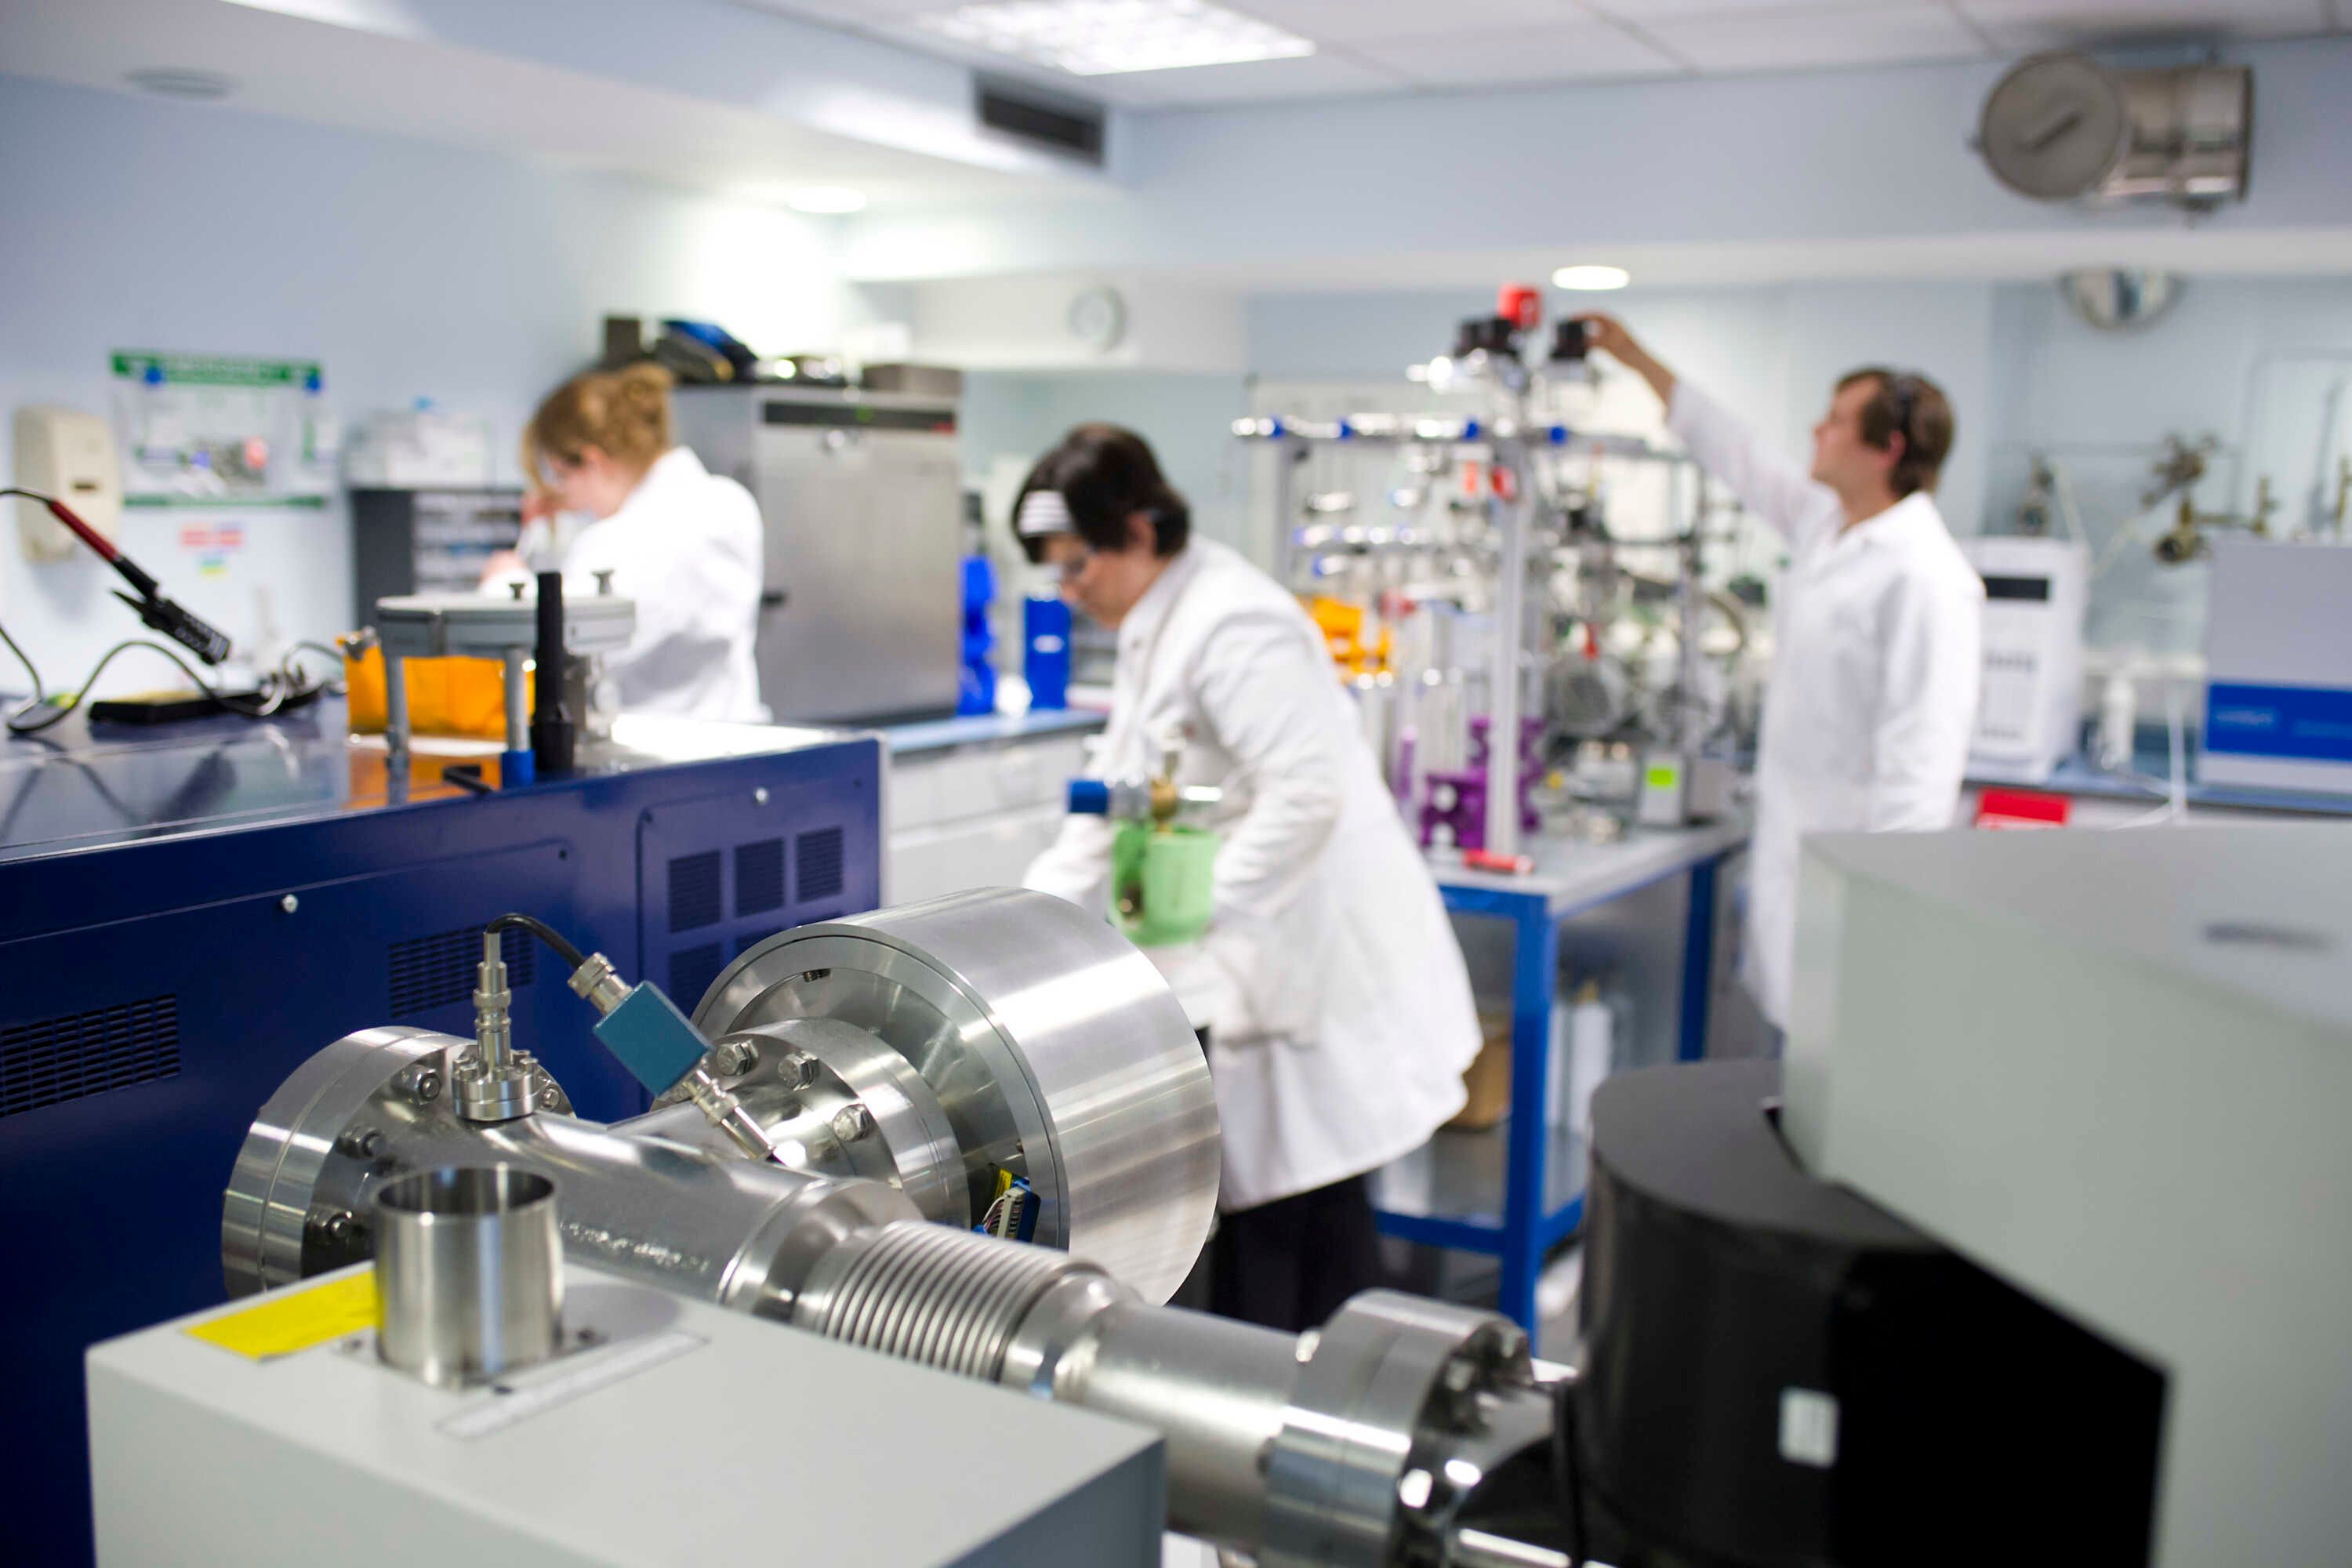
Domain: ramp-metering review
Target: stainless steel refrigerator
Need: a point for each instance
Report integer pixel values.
(861, 493)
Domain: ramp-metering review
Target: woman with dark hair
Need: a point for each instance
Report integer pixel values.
(1340, 1016)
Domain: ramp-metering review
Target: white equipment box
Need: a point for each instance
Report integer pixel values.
(2278, 667)
(688, 1434)
(2030, 706)
(2112, 1068)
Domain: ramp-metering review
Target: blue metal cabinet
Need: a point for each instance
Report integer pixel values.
(184, 919)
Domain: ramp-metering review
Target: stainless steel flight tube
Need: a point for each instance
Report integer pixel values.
(376, 1106)
(939, 1052)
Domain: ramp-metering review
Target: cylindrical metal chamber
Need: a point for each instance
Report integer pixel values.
(374, 1105)
(1053, 1048)
(1296, 1446)
(469, 1272)
(903, 1063)
(1217, 1391)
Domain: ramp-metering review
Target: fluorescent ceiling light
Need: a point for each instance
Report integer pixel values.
(1591, 277)
(1097, 37)
(825, 199)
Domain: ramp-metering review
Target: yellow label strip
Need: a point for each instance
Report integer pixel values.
(288, 1320)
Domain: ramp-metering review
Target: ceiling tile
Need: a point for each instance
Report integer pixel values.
(1357, 21)
(1643, 12)
(1309, 76)
(848, 10)
(1724, 42)
(2025, 24)
(1578, 50)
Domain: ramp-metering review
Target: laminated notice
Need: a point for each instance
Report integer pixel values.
(284, 1321)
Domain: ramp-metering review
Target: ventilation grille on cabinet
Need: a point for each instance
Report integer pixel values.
(53, 1061)
(760, 878)
(694, 900)
(819, 855)
(429, 972)
(691, 970)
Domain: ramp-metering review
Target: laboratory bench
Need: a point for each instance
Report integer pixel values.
(972, 800)
(2148, 782)
(1647, 905)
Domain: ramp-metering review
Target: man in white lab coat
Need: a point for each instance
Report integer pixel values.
(1873, 693)
(1339, 1012)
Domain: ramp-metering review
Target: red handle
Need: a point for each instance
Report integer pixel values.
(1487, 860)
(89, 535)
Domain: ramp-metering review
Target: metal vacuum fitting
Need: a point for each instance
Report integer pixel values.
(494, 1082)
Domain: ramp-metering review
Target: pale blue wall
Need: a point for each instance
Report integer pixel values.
(408, 268)
(2248, 361)
(1187, 418)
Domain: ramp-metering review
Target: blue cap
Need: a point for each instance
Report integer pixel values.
(1089, 797)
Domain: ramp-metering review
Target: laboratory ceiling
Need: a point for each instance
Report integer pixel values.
(1365, 47)
(404, 67)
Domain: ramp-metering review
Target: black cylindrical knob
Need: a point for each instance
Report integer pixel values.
(551, 727)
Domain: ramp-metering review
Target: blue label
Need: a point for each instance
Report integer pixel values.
(2307, 722)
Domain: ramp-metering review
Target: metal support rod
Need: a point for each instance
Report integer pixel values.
(517, 704)
(1286, 453)
(1688, 601)
(396, 713)
(1512, 519)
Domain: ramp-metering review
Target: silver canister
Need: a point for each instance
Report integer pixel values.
(469, 1272)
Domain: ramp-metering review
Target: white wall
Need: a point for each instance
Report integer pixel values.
(1024, 324)
(2251, 362)
(1187, 418)
(408, 270)
(1327, 191)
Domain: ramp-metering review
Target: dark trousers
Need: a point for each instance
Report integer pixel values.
(1289, 1264)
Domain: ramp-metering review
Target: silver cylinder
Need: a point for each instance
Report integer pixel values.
(469, 1272)
(1216, 1390)
(922, 1292)
(1053, 1048)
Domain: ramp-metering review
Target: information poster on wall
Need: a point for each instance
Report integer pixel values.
(223, 430)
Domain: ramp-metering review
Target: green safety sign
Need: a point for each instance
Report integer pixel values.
(216, 370)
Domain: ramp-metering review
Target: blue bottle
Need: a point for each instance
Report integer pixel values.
(976, 693)
(1045, 651)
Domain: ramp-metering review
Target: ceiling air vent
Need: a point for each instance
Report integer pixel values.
(1066, 126)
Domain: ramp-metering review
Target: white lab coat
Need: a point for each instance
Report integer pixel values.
(686, 548)
(1340, 1016)
(1873, 693)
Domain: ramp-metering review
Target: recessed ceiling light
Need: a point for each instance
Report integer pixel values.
(825, 199)
(169, 81)
(1591, 277)
(1098, 38)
